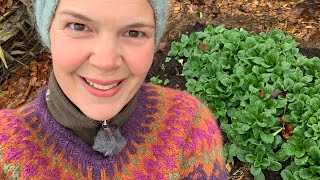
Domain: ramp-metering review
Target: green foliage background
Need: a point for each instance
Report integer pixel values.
(238, 74)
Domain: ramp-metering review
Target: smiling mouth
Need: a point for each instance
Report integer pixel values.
(102, 87)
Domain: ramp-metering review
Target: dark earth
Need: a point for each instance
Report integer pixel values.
(300, 19)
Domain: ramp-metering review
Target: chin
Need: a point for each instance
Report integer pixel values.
(99, 116)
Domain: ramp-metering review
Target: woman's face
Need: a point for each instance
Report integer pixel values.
(102, 51)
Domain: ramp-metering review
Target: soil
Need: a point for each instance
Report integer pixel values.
(301, 20)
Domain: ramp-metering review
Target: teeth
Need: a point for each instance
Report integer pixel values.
(101, 87)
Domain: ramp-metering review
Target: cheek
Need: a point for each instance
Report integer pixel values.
(65, 53)
(140, 60)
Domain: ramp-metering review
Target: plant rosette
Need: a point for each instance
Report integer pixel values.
(264, 93)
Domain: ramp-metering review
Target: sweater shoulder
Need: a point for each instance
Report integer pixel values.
(166, 92)
(15, 115)
(181, 116)
(14, 121)
(178, 100)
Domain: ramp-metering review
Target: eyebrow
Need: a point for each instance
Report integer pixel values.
(141, 25)
(77, 15)
(85, 18)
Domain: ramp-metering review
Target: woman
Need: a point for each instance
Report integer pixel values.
(96, 119)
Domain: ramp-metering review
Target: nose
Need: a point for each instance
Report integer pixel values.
(106, 54)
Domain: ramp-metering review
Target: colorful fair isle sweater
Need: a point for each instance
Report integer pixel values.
(170, 135)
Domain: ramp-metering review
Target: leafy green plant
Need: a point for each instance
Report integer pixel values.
(156, 80)
(264, 93)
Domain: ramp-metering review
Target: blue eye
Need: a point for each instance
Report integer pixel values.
(78, 27)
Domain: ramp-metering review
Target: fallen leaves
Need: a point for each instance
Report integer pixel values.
(162, 45)
(24, 83)
(4, 5)
(309, 8)
(312, 36)
(286, 127)
(204, 47)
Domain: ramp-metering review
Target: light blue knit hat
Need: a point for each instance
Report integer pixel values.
(44, 11)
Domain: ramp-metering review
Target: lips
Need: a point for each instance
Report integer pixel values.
(102, 86)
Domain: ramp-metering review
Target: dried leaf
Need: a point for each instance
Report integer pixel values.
(286, 133)
(162, 46)
(180, 61)
(261, 93)
(228, 167)
(23, 82)
(33, 68)
(311, 36)
(8, 33)
(276, 93)
(204, 47)
(32, 81)
(3, 59)
(17, 52)
(200, 15)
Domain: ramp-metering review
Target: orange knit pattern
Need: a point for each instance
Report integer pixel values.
(171, 135)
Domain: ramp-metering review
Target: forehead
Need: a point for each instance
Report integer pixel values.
(117, 11)
(105, 4)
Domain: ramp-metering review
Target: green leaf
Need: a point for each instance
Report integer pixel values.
(282, 155)
(267, 137)
(265, 162)
(288, 83)
(250, 158)
(262, 48)
(296, 175)
(275, 166)
(265, 77)
(277, 140)
(226, 82)
(281, 103)
(260, 149)
(299, 153)
(252, 89)
(255, 171)
(184, 39)
(255, 69)
(315, 127)
(268, 90)
(298, 74)
(287, 46)
(288, 149)
(315, 103)
(242, 128)
(272, 57)
(314, 152)
(301, 161)
(306, 79)
(262, 124)
(260, 176)
(285, 66)
(260, 61)
(286, 175)
(233, 150)
(305, 173)
(297, 87)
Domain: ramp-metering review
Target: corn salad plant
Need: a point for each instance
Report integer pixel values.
(264, 94)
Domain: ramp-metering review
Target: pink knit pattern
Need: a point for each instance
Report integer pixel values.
(171, 135)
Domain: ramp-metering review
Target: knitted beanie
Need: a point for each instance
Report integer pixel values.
(45, 9)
